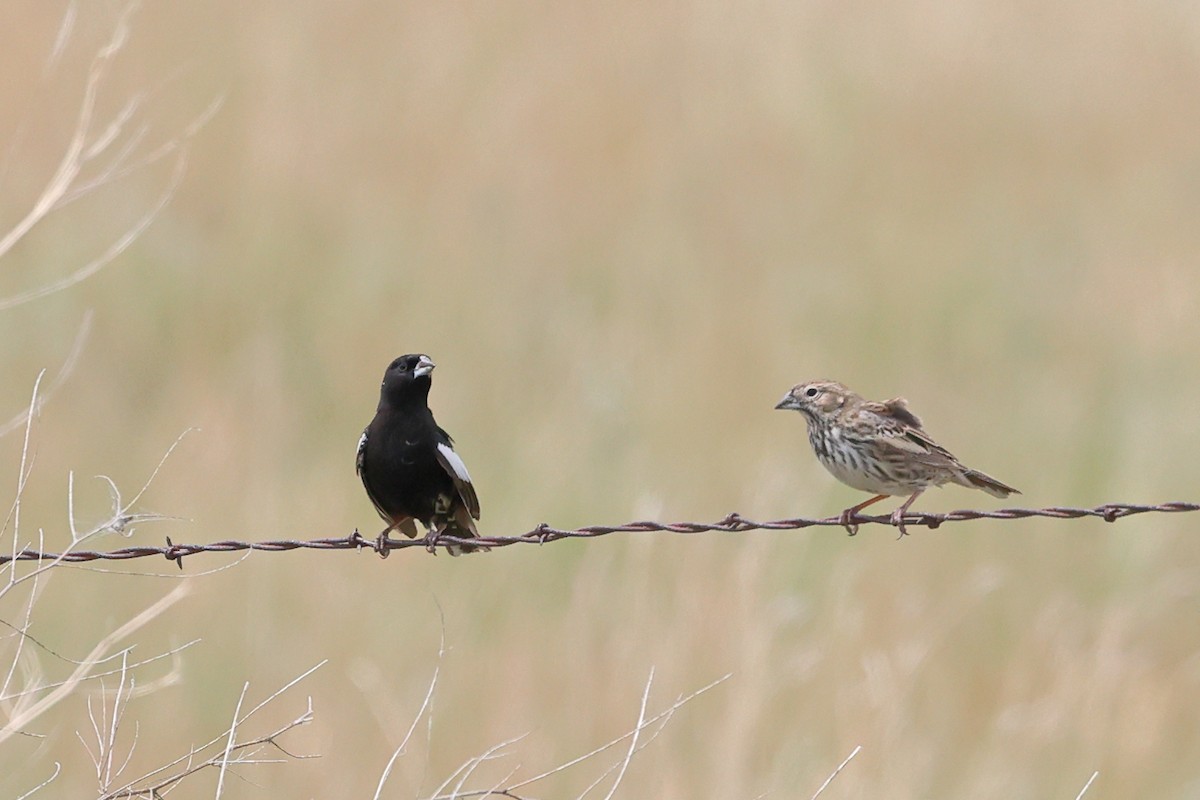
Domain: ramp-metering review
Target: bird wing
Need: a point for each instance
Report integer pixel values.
(900, 428)
(457, 471)
(897, 408)
(359, 463)
(358, 457)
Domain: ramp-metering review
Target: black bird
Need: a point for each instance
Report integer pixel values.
(408, 464)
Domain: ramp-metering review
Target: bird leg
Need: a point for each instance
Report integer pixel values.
(849, 514)
(432, 534)
(898, 514)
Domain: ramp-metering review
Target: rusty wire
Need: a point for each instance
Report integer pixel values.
(733, 523)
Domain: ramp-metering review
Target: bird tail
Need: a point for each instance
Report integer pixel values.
(974, 479)
(462, 526)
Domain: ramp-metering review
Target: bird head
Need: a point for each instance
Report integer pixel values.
(815, 398)
(408, 375)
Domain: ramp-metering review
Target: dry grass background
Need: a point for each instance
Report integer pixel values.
(623, 231)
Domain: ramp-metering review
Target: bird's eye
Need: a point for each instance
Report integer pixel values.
(812, 391)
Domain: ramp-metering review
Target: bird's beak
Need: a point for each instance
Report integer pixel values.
(788, 402)
(424, 366)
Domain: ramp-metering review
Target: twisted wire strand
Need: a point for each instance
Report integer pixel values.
(543, 533)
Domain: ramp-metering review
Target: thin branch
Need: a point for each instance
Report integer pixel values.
(119, 520)
(115, 249)
(633, 740)
(110, 150)
(73, 159)
(841, 766)
(504, 789)
(464, 773)
(161, 788)
(173, 653)
(43, 784)
(23, 472)
(24, 715)
(152, 785)
(68, 366)
(633, 733)
(1087, 785)
(64, 36)
(230, 742)
(425, 705)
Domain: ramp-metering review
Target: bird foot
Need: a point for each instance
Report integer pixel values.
(844, 520)
(431, 541)
(898, 521)
(382, 544)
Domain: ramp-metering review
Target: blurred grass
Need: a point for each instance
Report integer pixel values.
(623, 232)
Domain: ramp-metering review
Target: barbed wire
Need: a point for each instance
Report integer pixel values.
(543, 533)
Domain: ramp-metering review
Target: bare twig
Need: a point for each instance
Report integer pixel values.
(633, 740)
(503, 788)
(662, 715)
(1087, 785)
(64, 371)
(74, 158)
(231, 741)
(173, 654)
(834, 774)
(119, 246)
(425, 705)
(27, 712)
(43, 784)
(232, 752)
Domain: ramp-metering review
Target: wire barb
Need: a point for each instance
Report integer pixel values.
(543, 533)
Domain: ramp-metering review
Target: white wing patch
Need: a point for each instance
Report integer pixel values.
(456, 463)
(358, 456)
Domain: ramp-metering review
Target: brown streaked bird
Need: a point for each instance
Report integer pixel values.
(879, 448)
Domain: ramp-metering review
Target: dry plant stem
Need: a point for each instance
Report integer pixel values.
(109, 149)
(192, 767)
(62, 188)
(633, 740)
(634, 747)
(233, 752)
(35, 699)
(119, 521)
(91, 141)
(74, 158)
(115, 249)
(670, 711)
(27, 712)
(14, 517)
(105, 727)
(173, 653)
(23, 472)
(27, 708)
(64, 372)
(425, 704)
(1087, 785)
(464, 772)
(511, 790)
(64, 36)
(834, 774)
(230, 741)
(43, 784)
